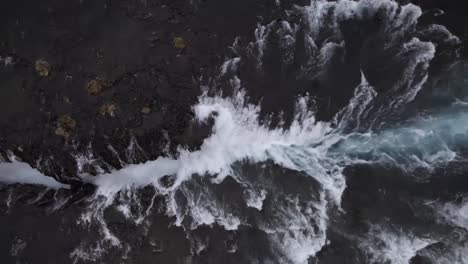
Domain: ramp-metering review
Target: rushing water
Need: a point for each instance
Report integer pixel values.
(290, 177)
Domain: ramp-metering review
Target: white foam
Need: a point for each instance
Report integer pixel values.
(456, 254)
(308, 146)
(237, 136)
(204, 209)
(20, 172)
(453, 213)
(351, 116)
(395, 247)
(298, 231)
(137, 175)
(6, 61)
(323, 15)
(230, 65)
(255, 199)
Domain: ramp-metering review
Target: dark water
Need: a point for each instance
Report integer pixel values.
(338, 134)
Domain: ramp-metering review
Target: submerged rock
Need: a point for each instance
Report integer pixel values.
(167, 181)
(65, 125)
(42, 68)
(108, 109)
(180, 43)
(96, 86)
(158, 245)
(146, 110)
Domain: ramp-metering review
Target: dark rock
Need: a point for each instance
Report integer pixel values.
(167, 181)
(96, 86)
(421, 260)
(42, 68)
(65, 125)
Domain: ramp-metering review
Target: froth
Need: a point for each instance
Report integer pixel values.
(20, 172)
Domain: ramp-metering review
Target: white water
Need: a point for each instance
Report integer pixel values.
(309, 146)
(237, 136)
(456, 254)
(398, 247)
(20, 172)
(6, 61)
(456, 214)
